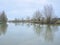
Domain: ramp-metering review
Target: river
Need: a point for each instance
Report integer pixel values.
(29, 34)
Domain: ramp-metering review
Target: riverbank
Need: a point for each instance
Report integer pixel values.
(31, 21)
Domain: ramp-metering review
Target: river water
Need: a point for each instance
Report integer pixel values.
(29, 34)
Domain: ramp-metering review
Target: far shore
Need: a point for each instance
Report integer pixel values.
(30, 21)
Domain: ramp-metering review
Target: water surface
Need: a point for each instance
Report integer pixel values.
(29, 34)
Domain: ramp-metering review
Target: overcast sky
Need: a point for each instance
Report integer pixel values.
(24, 8)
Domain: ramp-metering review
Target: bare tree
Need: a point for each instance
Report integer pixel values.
(37, 15)
(48, 12)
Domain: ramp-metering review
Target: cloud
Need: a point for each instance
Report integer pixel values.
(25, 7)
(42, 2)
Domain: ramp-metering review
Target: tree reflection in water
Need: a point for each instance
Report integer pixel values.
(3, 28)
(47, 30)
(49, 34)
(17, 23)
(37, 28)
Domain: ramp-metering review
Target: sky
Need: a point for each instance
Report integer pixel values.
(24, 8)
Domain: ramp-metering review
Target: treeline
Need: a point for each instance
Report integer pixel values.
(3, 17)
(47, 16)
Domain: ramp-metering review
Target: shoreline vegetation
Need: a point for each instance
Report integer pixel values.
(47, 17)
(31, 21)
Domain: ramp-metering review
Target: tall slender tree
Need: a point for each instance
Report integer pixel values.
(48, 12)
(4, 17)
